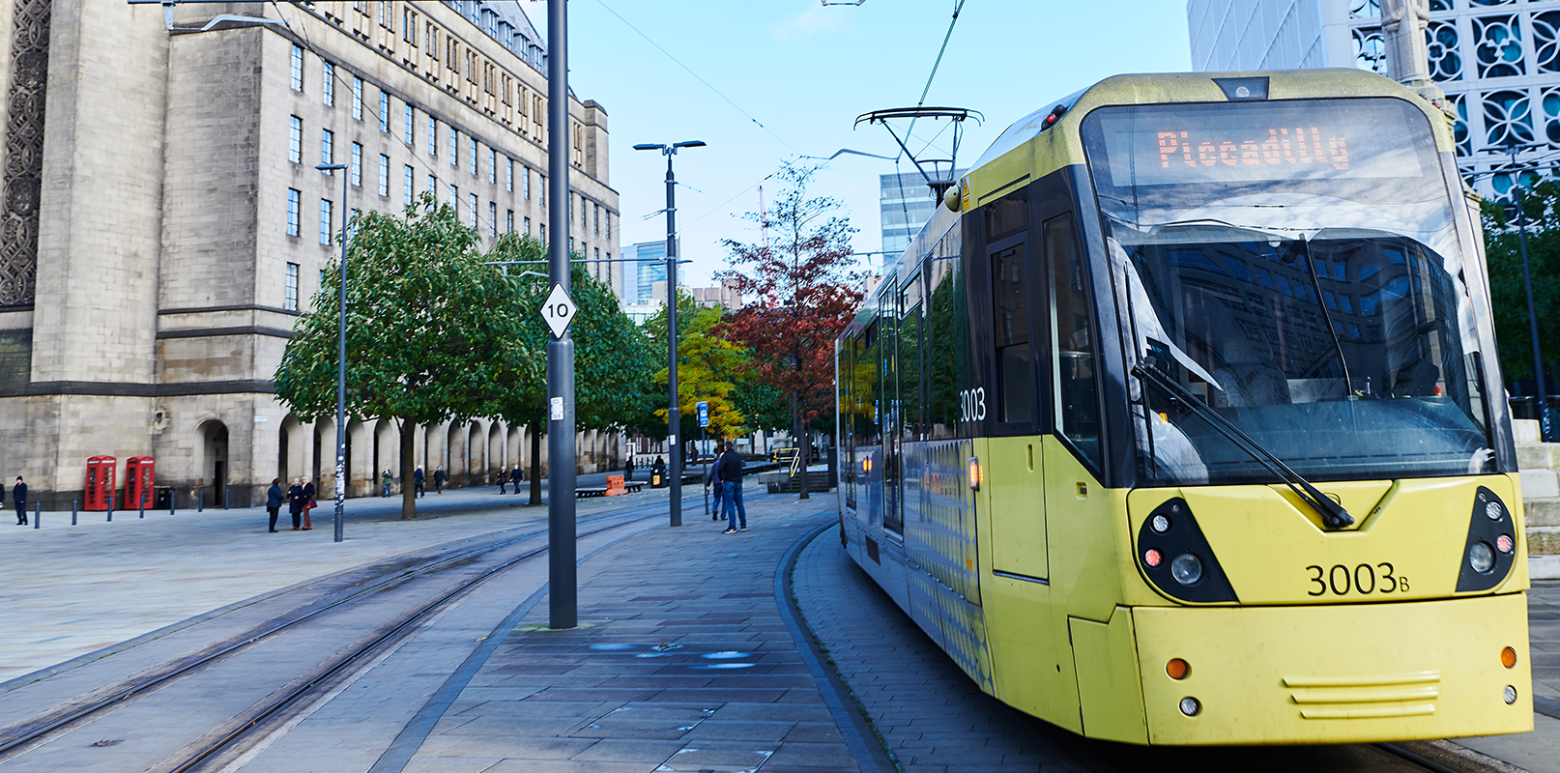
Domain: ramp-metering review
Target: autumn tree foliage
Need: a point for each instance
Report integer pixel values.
(805, 291)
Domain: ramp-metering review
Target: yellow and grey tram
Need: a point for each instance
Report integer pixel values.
(1181, 422)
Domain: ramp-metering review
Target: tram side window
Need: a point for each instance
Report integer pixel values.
(945, 351)
(1010, 328)
(1077, 410)
(910, 362)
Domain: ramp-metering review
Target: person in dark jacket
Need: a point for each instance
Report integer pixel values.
(503, 480)
(273, 501)
(730, 467)
(712, 478)
(517, 476)
(19, 496)
(629, 469)
(420, 481)
(295, 501)
(439, 477)
(308, 503)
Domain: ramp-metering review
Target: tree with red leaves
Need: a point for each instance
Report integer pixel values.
(804, 288)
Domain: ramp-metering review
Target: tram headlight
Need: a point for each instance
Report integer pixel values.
(1493, 511)
(1187, 569)
(1160, 524)
(1509, 694)
(1481, 557)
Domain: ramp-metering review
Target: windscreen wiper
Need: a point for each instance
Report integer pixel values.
(1333, 515)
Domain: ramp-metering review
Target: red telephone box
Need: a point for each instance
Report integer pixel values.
(140, 475)
(100, 482)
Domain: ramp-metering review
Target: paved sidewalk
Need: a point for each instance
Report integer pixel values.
(682, 662)
(67, 591)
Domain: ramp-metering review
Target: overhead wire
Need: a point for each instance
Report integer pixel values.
(698, 77)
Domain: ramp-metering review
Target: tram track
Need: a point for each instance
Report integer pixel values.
(20, 738)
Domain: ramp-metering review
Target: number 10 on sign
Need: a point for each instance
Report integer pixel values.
(558, 310)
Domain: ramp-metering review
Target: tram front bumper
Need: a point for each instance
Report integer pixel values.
(1336, 673)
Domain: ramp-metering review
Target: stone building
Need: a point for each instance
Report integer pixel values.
(164, 223)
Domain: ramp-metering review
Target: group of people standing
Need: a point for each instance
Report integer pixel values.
(299, 498)
(726, 478)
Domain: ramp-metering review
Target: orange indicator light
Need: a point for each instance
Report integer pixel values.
(1177, 668)
(1508, 657)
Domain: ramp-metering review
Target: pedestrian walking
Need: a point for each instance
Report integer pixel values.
(308, 503)
(730, 466)
(387, 478)
(516, 477)
(629, 469)
(419, 481)
(439, 477)
(712, 478)
(19, 496)
(295, 502)
(503, 480)
(273, 501)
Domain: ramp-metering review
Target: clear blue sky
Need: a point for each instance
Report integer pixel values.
(806, 71)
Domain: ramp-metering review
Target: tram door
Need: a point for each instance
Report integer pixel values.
(888, 344)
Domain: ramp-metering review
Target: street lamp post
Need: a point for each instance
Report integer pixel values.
(1544, 428)
(341, 362)
(673, 420)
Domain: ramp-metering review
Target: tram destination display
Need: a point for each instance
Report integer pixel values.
(1257, 142)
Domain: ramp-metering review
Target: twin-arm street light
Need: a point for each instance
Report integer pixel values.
(673, 421)
(341, 361)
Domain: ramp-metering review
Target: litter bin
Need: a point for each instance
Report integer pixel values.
(655, 480)
(164, 497)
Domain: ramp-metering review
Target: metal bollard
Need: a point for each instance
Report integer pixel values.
(73, 511)
(172, 495)
(225, 497)
(200, 501)
(143, 511)
(37, 513)
(110, 509)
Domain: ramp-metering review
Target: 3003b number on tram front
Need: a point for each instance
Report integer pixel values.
(1363, 579)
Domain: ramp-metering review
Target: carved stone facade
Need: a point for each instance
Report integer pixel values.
(164, 224)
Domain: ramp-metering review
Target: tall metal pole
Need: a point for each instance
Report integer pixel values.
(562, 595)
(1544, 428)
(673, 420)
(1538, 359)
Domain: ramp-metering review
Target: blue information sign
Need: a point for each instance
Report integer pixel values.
(704, 413)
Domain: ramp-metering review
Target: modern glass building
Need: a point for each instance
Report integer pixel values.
(1497, 60)
(906, 203)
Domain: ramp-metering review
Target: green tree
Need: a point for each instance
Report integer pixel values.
(429, 329)
(708, 370)
(1508, 291)
(612, 358)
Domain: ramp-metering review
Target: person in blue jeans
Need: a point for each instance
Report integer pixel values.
(730, 473)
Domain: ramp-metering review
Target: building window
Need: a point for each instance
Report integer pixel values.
(473, 207)
(297, 68)
(542, 195)
(406, 129)
(433, 186)
(596, 223)
(409, 27)
(357, 165)
(493, 219)
(471, 155)
(327, 147)
(384, 175)
(509, 174)
(543, 229)
(433, 136)
(454, 147)
(293, 198)
(525, 182)
(432, 42)
(329, 85)
(608, 218)
(509, 221)
(528, 226)
(384, 112)
(492, 166)
(325, 218)
(584, 213)
(357, 98)
(406, 186)
(455, 199)
(290, 289)
(295, 140)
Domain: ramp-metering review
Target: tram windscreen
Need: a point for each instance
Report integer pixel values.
(1310, 290)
